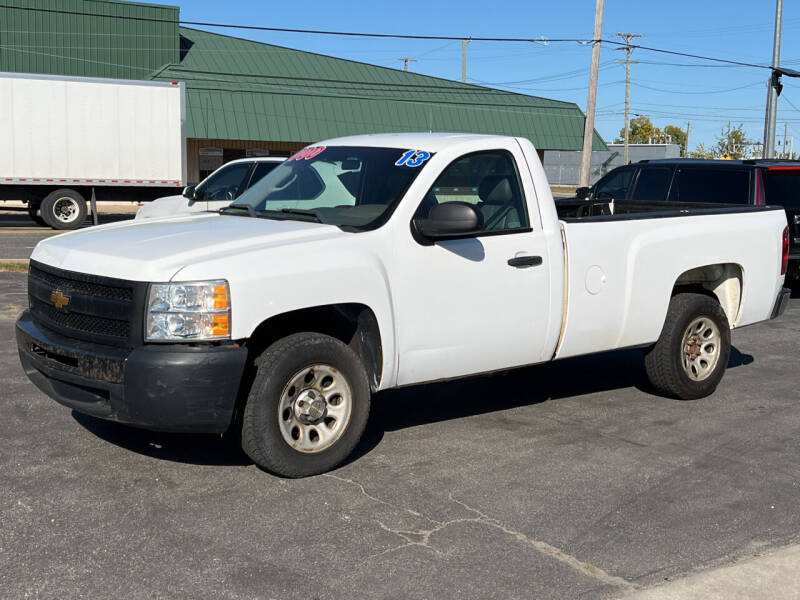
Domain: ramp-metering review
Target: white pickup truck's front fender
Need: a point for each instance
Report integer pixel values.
(273, 281)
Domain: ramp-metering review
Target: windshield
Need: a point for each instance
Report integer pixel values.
(352, 187)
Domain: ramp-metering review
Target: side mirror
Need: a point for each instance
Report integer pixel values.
(189, 192)
(450, 220)
(582, 193)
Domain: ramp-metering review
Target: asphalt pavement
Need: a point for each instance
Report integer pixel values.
(19, 233)
(565, 480)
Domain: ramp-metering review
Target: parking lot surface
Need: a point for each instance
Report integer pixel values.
(565, 480)
(19, 233)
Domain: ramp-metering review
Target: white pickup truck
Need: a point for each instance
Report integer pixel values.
(372, 262)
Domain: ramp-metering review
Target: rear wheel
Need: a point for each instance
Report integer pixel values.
(690, 357)
(64, 209)
(308, 405)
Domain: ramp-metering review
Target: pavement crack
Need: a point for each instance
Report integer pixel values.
(422, 537)
(378, 500)
(583, 567)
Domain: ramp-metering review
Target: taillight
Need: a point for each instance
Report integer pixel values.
(759, 189)
(785, 257)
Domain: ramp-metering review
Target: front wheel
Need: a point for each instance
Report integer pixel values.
(690, 357)
(307, 407)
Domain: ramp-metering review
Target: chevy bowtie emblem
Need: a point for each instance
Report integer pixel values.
(59, 299)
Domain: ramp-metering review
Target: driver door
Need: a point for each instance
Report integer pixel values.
(480, 303)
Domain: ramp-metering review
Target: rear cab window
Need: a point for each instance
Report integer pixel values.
(705, 185)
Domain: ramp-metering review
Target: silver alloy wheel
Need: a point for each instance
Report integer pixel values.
(700, 349)
(66, 209)
(315, 408)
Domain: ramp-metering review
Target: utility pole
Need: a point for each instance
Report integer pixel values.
(591, 102)
(464, 60)
(627, 62)
(688, 127)
(773, 86)
(406, 61)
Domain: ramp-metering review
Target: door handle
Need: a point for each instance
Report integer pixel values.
(520, 262)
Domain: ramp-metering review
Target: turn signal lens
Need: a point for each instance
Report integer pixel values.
(220, 325)
(221, 299)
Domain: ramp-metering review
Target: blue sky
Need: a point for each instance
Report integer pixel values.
(706, 96)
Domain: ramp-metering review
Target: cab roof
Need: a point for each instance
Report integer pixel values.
(431, 142)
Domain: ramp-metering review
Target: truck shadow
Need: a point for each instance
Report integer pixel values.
(430, 403)
(393, 410)
(192, 448)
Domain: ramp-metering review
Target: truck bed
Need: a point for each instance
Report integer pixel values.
(621, 268)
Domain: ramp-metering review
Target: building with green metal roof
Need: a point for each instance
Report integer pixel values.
(246, 97)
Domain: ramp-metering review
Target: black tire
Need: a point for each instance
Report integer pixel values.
(264, 427)
(33, 213)
(670, 362)
(64, 209)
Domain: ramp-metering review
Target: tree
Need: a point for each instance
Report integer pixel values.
(642, 131)
(677, 136)
(732, 142)
(701, 152)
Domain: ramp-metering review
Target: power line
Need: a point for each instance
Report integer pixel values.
(647, 87)
(541, 39)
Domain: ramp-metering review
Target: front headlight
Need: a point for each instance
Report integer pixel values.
(188, 311)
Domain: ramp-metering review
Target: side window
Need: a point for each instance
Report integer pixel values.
(615, 185)
(226, 183)
(652, 184)
(722, 186)
(490, 182)
(262, 168)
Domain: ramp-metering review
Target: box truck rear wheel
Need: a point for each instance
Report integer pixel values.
(64, 209)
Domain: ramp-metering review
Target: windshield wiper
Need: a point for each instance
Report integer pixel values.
(250, 210)
(280, 214)
(305, 213)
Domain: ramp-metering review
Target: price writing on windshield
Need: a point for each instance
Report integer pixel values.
(307, 153)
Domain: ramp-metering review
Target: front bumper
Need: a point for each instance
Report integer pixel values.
(176, 387)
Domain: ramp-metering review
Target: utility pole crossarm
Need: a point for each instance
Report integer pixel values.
(406, 60)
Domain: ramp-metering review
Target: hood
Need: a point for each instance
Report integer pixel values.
(155, 250)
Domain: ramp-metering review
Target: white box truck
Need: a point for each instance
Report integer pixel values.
(66, 137)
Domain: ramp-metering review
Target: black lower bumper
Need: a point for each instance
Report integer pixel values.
(781, 303)
(173, 387)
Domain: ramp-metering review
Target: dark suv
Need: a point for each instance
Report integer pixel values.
(696, 181)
